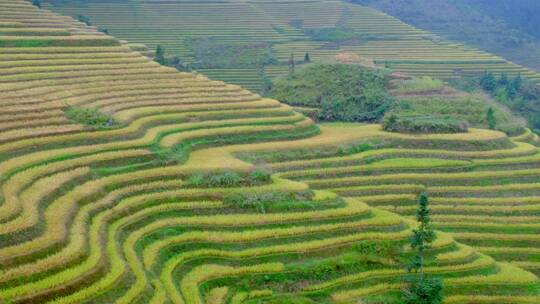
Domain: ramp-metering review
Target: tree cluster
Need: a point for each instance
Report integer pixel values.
(175, 62)
(518, 94)
(337, 92)
(370, 106)
(416, 123)
(491, 84)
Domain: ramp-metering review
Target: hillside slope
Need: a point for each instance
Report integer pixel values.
(161, 201)
(507, 28)
(221, 38)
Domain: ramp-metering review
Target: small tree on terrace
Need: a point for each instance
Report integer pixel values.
(36, 3)
(291, 64)
(84, 19)
(160, 55)
(307, 59)
(490, 118)
(421, 289)
(423, 236)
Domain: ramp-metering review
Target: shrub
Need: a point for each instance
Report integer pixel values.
(259, 175)
(251, 201)
(424, 124)
(423, 290)
(197, 180)
(386, 249)
(226, 179)
(89, 117)
(261, 201)
(36, 3)
(354, 149)
(229, 178)
(84, 19)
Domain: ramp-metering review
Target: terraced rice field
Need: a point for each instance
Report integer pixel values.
(285, 25)
(250, 79)
(109, 215)
(484, 198)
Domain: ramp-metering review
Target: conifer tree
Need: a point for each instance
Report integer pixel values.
(307, 59)
(517, 82)
(422, 289)
(423, 236)
(490, 118)
(291, 64)
(160, 55)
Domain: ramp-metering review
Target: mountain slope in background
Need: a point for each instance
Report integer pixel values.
(250, 41)
(508, 28)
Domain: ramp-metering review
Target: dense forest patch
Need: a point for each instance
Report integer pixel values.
(339, 92)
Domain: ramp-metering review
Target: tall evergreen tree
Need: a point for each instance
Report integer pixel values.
(422, 289)
(160, 55)
(423, 236)
(291, 64)
(307, 58)
(490, 118)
